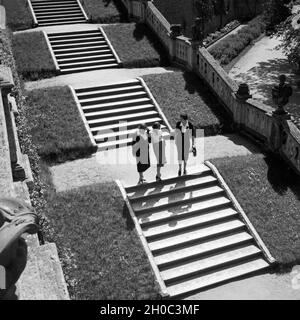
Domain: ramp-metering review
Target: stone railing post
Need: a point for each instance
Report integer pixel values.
(195, 54)
(175, 31)
(277, 137)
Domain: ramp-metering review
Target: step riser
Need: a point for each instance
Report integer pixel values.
(175, 262)
(82, 54)
(87, 64)
(106, 87)
(175, 280)
(112, 99)
(167, 234)
(98, 67)
(120, 113)
(106, 123)
(81, 51)
(86, 59)
(126, 105)
(53, 37)
(76, 40)
(128, 127)
(103, 94)
(194, 241)
(177, 203)
(60, 16)
(188, 214)
(78, 46)
(57, 13)
(61, 23)
(174, 191)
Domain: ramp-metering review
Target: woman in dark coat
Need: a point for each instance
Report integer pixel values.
(184, 132)
(140, 149)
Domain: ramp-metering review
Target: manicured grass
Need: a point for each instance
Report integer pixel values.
(104, 11)
(270, 195)
(32, 55)
(56, 125)
(184, 92)
(18, 14)
(136, 45)
(226, 50)
(101, 253)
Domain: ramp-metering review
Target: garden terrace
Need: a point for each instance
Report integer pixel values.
(103, 259)
(269, 192)
(184, 92)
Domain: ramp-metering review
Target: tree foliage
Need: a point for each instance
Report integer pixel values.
(276, 11)
(205, 10)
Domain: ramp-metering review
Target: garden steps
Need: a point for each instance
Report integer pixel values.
(58, 12)
(82, 51)
(43, 277)
(114, 111)
(195, 234)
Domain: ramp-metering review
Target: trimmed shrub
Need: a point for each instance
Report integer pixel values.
(18, 14)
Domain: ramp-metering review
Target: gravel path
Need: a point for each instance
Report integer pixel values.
(93, 78)
(100, 167)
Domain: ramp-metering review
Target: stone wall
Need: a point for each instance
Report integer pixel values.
(278, 134)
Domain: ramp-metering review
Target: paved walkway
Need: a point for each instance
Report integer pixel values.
(120, 164)
(260, 68)
(94, 78)
(261, 287)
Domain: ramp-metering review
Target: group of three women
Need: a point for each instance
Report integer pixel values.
(184, 133)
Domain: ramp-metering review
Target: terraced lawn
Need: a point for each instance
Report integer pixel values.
(270, 195)
(18, 14)
(56, 126)
(183, 92)
(101, 253)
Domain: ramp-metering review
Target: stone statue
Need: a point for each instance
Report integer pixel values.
(16, 218)
(281, 94)
(197, 32)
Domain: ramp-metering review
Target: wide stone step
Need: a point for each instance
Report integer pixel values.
(59, 15)
(73, 35)
(77, 40)
(119, 111)
(41, 13)
(196, 267)
(82, 50)
(87, 43)
(50, 5)
(59, 18)
(113, 98)
(181, 198)
(167, 188)
(197, 283)
(117, 134)
(116, 104)
(86, 58)
(81, 54)
(65, 66)
(168, 228)
(202, 249)
(116, 85)
(46, 10)
(107, 92)
(192, 236)
(179, 212)
(49, 23)
(116, 119)
(125, 124)
(90, 68)
(114, 144)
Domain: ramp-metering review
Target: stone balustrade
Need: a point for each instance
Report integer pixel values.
(279, 134)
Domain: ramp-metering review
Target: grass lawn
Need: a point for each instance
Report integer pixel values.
(17, 14)
(56, 125)
(270, 195)
(184, 92)
(136, 45)
(101, 253)
(104, 11)
(33, 58)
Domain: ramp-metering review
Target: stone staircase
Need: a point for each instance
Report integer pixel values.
(114, 111)
(83, 51)
(56, 12)
(195, 235)
(43, 277)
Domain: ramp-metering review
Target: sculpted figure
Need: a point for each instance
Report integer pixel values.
(197, 33)
(16, 218)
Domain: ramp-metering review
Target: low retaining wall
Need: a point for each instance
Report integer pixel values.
(278, 133)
